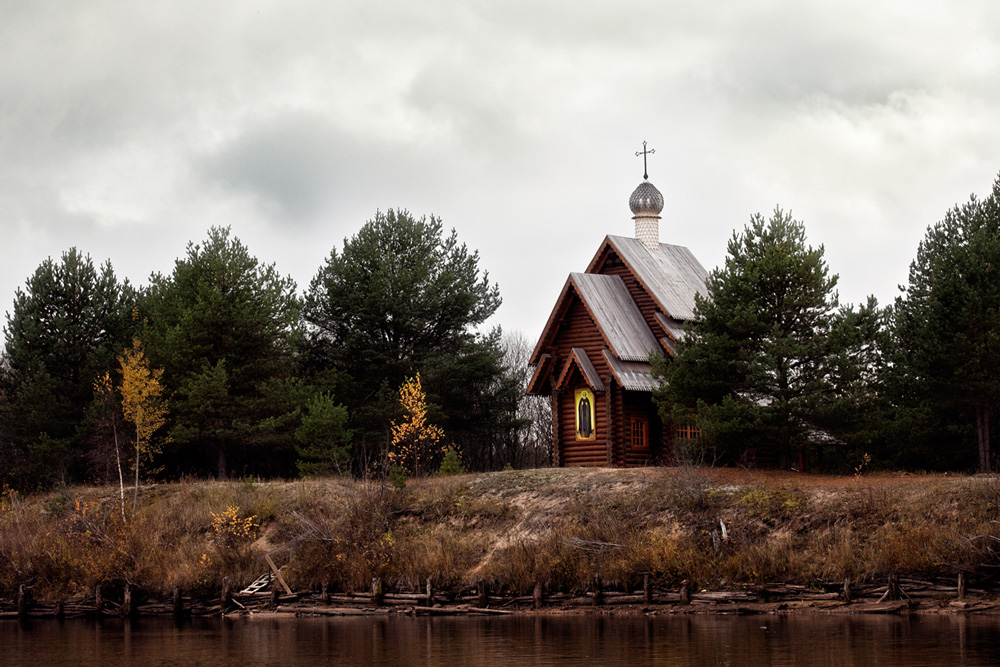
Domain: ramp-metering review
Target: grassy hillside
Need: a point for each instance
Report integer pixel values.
(713, 528)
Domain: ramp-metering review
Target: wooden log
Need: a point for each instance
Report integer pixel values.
(277, 574)
(460, 610)
(329, 611)
(624, 598)
(892, 590)
(536, 598)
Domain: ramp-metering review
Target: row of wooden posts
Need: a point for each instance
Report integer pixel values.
(481, 599)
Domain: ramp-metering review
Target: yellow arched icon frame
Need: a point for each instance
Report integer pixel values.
(586, 424)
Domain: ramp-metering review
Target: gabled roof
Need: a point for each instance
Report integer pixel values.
(541, 372)
(672, 327)
(672, 276)
(631, 375)
(616, 315)
(612, 309)
(578, 357)
(668, 345)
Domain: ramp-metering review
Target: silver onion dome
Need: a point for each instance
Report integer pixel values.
(646, 200)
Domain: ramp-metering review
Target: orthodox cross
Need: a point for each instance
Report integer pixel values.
(644, 153)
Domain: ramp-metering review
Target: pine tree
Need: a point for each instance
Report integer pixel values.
(224, 327)
(758, 368)
(947, 328)
(63, 333)
(401, 297)
(323, 437)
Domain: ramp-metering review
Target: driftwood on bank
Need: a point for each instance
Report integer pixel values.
(891, 595)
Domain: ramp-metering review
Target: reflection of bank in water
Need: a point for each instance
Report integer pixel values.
(515, 641)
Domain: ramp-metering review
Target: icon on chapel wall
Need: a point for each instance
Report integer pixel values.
(584, 415)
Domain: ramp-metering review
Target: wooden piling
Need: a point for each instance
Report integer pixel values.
(647, 589)
(536, 597)
(127, 610)
(226, 598)
(98, 599)
(482, 595)
(847, 589)
(23, 602)
(685, 595)
(178, 603)
(325, 593)
(961, 585)
(598, 593)
(377, 592)
(892, 589)
(429, 599)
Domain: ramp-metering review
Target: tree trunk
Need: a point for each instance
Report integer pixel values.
(222, 464)
(138, 452)
(983, 428)
(118, 459)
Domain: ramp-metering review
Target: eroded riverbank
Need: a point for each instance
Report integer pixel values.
(666, 540)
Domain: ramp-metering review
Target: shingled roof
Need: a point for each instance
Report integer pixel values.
(669, 274)
(672, 276)
(614, 312)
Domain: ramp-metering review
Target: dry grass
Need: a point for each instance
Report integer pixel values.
(709, 527)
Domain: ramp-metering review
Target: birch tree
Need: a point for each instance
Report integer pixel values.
(142, 405)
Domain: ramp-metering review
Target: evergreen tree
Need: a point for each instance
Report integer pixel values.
(64, 331)
(223, 327)
(324, 439)
(947, 325)
(402, 297)
(767, 367)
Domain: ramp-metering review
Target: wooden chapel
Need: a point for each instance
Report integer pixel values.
(593, 357)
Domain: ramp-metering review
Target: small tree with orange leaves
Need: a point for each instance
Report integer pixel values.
(142, 404)
(415, 443)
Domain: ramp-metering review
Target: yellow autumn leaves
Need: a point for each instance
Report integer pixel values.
(142, 402)
(415, 443)
(142, 405)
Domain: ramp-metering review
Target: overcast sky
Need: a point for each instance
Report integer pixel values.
(127, 129)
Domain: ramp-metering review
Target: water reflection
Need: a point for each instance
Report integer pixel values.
(509, 641)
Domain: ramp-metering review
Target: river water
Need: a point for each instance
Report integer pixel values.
(509, 641)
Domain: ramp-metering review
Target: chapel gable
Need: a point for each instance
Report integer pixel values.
(593, 357)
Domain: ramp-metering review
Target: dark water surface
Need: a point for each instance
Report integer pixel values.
(510, 641)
